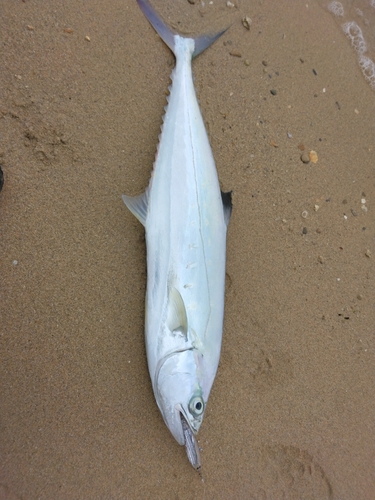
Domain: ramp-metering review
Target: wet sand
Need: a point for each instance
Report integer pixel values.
(291, 413)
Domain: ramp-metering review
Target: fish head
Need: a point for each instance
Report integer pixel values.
(179, 395)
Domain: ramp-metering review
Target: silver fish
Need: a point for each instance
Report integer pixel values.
(185, 216)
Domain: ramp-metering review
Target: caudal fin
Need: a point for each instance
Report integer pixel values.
(201, 42)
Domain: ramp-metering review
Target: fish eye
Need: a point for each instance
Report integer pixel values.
(196, 406)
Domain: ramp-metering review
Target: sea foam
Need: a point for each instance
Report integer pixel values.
(367, 65)
(358, 31)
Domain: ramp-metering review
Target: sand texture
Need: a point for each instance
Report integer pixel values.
(291, 414)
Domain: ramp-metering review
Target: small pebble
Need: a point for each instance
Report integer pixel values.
(304, 230)
(265, 63)
(87, 38)
(15, 262)
(235, 53)
(363, 200)
(353, 212)
(313, 156)
(301, 146)
(320, 259)
(30, 28)
(247, 62)
(274, 92)
(316, 207)
(246, 21)
(368, 253)
(305, 158)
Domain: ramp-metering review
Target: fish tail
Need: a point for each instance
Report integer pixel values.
(168, 36)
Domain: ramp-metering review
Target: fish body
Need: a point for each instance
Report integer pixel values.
(185, 217)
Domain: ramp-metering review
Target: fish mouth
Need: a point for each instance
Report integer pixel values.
(190, 441)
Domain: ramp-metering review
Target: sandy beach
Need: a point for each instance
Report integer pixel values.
(291, 413)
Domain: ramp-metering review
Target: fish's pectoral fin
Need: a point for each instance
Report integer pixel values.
(226, 198)
(138, 205)
(177, 317)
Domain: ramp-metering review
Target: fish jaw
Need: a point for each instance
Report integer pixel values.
(177, 389)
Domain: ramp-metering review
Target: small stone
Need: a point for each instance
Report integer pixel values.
(273, 92)
(359, 297)
(30, 28)
(192, 2)
(363, 200)
(301, 147)
(304, 230)
(316, 207)
(274, 144)
(265, 63)
(353, 212)
(247, 62)
(68, 30)
(320, 259)
(368, 253)
(246, 21)
(87, 38)
(305, 158)
(235, 53)
(313, 156)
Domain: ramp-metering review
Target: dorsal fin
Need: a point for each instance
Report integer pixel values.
(138, 205)
(226, 198)
(177, 318)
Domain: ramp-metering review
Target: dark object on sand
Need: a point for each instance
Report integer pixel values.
(1, 178)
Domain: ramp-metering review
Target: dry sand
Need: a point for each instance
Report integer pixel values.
(291, 413)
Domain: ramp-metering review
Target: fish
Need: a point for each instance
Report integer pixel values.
(185, 215)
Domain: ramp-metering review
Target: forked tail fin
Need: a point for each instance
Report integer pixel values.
(201, 42)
